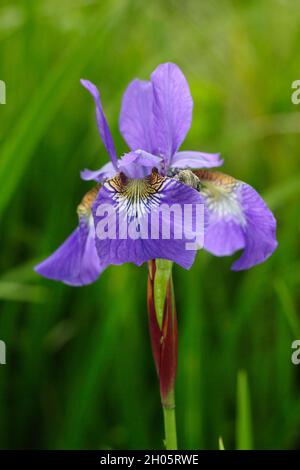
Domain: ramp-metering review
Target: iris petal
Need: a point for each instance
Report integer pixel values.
(107, 171)
(128, 204)
(191, 159)
(172, 109)
(102, 123)
(139, 164)
(76, 261)
(237, 218)
(136, 117)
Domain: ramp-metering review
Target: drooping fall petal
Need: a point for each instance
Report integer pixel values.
(76, 261)
(141, 219)
(238, 218)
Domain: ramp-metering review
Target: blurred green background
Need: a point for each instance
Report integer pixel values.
(79, 370)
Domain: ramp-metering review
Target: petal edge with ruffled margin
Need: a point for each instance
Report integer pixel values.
(238, 218)
(76, 261)
(103, 128)
(131, 202)
(172, 109)
(136, 116)
(192, 159)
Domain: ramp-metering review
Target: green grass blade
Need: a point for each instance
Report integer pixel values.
(221, 443)
(244, 439)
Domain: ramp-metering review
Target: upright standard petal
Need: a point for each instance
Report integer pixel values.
(102, 123)
(136, 117)
(237, 218)
(191, 159)
(76, 261)
(138, 220)
(172, 109)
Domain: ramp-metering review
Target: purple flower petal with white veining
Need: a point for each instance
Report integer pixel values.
(237, 218)
(154, 120)
(125, 231)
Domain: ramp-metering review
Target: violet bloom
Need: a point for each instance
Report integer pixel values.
(154, 120)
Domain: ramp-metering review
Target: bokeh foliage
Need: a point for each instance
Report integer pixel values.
(79, 371)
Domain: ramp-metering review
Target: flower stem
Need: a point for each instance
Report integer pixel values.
(170, 426)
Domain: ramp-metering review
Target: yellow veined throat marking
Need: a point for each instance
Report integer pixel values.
(85, 207)
(136, 196)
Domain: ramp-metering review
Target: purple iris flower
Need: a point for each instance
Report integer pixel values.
(154, 120)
